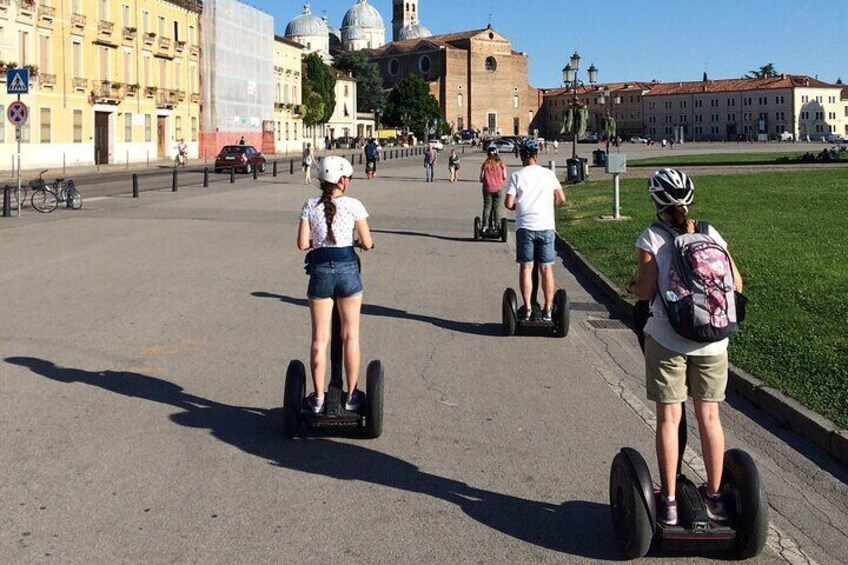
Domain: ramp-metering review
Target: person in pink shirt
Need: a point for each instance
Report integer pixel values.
(493, 176)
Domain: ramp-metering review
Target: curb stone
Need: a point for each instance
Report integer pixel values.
(787, 412)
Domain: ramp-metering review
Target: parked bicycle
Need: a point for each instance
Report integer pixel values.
(46, 197)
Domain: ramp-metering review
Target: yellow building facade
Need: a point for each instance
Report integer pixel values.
(288, 87)
(112, 81)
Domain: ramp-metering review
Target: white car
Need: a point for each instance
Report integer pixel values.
(437, 145)
(637, 139)
(786, 136)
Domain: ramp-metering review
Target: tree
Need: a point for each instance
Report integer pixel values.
(370, 95)
(318, 79)
(411, 106)
(766, 71)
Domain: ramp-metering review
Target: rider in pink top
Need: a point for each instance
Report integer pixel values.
(493, 176)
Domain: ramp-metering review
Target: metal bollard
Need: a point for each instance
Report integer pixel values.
(205, 177)
(174, 181)
(255, 172)
(135, 185)
(552, 165)
(274, 169)
(360, 158)
(463, 150)
(232, 175)
(291, 167)
(7, 204)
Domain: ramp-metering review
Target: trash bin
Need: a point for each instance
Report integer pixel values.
(599, 157)
(574, 170)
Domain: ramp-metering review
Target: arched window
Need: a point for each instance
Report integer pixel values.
(424, 64)
(491, 64)
(394, 67)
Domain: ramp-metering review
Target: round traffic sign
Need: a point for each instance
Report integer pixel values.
(18, 113)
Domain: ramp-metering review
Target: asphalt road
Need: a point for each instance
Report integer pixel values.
(143, 348)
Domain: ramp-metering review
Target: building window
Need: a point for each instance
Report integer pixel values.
(77, 126)
(148, 128)
(161, 26)
(23, 47)
(128, 67)
(44, 56)
(125, 16)
(2, 124)
(491, 64)
(45, 125)
(194, 128)
(128, 127)
(178, 128)
(459, 100)
(424, 64)
(103, 10)
(515, 103)
(76, 7)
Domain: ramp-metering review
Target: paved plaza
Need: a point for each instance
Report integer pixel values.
(143, 348)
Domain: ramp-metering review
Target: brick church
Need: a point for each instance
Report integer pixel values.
(479, 81)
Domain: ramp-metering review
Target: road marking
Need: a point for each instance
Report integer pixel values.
(97, 198)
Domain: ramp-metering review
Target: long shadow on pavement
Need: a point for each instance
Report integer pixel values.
(485, 329)
(579, 528)
(422, 234)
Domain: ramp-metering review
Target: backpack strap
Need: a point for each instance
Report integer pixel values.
(702, 227)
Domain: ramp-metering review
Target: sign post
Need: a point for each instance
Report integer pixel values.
(17, 82)
(616, 166)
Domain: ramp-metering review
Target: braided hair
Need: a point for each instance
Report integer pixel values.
(329, 207)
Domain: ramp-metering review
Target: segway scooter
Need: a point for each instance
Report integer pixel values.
(299, 418)
(634, 501)
(490, 234)
(514, 324)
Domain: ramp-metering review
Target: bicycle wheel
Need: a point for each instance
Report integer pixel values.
(74, 199)
(44, 200)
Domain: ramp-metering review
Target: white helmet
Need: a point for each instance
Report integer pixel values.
(331, 169)
(670, 187)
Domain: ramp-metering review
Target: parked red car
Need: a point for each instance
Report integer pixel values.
(242, 157)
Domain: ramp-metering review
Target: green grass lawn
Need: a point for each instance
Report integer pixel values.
(719, 159)
(788, 233)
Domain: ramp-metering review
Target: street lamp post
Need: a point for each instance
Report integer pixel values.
(569, 78)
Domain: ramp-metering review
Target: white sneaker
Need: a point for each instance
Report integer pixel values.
(316, 404)
(355, 400)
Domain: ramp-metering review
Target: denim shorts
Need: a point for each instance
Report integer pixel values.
(334, 279)
(534, 247)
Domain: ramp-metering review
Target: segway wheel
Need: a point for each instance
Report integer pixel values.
(374, 400)
(509, 312)
(562, 314)
(504, 230)
(749, 506)
(293, 398)
(478, 228)
(631, 517)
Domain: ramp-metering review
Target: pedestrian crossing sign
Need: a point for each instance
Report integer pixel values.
(17, 81)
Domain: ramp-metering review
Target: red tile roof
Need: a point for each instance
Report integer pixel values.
(734, 85)
(445, 40)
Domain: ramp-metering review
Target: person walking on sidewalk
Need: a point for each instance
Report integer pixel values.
(429, 163)
(675, 366)
(533, 192)
(372, 151)
(453, 166)
(307, 162)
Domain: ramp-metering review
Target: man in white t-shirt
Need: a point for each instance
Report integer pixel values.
(533, 192)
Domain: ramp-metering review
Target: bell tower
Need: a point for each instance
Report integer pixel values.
(404, 13)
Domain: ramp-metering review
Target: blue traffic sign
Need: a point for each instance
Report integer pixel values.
(18, 113)
(17, 81)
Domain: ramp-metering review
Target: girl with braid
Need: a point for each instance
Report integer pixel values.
(329, 226)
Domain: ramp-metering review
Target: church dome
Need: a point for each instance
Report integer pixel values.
(363, 15)
(306, 24)
(413, 31)
(354, 34)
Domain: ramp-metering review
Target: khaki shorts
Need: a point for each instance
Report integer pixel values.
(667, 375)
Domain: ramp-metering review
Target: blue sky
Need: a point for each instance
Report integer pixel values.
(667, 40)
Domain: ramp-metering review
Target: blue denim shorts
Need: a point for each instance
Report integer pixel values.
(534, 247)
(335, 279)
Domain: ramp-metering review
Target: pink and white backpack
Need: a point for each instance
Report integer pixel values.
(698, 292)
